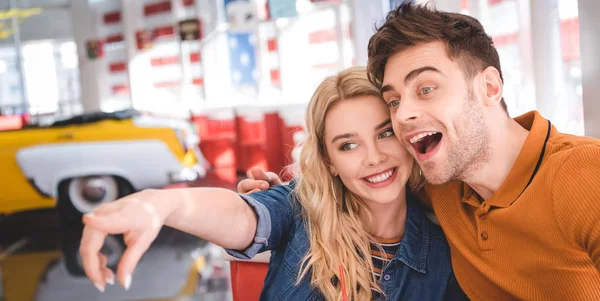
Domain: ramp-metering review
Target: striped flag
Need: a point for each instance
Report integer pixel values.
(241, 17)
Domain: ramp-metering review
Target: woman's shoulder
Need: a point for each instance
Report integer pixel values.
(427, 217)
(435, 231)
(277, 195)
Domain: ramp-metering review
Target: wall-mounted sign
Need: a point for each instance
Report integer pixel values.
(396, 3)
(7, 15)
(282, 8)
(19, 13)
(241, 15)
(94, 49)
(190, 30)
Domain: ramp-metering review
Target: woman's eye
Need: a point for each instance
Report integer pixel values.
(386, 133)
(394, 103)
(348, 146)
(426, 90)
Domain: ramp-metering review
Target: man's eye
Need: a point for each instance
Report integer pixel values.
(426, 90)
(394, 103)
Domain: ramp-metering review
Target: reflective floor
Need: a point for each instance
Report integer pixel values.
(40, 261)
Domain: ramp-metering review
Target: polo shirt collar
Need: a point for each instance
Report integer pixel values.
(526, 165)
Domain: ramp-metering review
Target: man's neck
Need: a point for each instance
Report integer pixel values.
(506, 141)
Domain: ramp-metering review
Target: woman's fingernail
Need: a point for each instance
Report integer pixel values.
(127, 282)
(110, 281)
(264, 186)
(99, 287)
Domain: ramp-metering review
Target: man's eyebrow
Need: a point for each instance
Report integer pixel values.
(413, 74)
(409, 77)
(386, 88)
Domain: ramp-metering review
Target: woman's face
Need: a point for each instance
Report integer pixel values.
(363, 150)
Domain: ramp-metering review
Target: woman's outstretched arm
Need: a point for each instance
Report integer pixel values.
(218, 215)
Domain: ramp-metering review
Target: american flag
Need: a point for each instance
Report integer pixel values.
(241, 42)
(242, 58)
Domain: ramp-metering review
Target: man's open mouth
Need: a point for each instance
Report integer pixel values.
(425, 142)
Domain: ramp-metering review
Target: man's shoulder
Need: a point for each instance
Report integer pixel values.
(566, 155)
(564, 146)
(574, 182)
(574, 163)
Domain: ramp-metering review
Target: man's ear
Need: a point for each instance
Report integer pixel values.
(491, 85)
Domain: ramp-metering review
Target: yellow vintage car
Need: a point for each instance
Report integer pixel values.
(80, 163)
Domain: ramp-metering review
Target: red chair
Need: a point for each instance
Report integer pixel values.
(248, 276)
(251, 143)
(11, 122)
(218, 145)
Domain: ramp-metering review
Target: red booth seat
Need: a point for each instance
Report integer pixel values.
(251, 143)
(218, 145)
(11, 122)
(248, 276)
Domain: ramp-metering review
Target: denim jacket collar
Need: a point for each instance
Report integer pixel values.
(414, 245)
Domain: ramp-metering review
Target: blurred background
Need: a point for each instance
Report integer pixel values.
(101, 98)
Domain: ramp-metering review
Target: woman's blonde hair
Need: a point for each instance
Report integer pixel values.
(334, 216)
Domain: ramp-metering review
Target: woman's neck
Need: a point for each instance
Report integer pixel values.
(388, 219)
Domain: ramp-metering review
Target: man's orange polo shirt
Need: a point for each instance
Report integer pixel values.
(538, 236)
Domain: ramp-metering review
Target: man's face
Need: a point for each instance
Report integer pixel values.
(436, 112)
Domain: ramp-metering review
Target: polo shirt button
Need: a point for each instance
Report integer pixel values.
(387, 277)
(484, 235)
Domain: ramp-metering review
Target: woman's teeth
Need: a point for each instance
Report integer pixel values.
(380, 178)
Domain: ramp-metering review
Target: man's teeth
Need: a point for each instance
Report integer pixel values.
(419, 137)
(380, 178)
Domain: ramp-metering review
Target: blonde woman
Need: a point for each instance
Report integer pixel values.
(348, 226)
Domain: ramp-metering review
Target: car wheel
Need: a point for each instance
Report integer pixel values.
(81, 195)
(113, 249)
(87, 193)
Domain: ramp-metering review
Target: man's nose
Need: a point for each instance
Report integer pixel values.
(408, 110)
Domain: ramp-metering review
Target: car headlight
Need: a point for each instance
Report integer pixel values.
(186, 139)
(184, 175)
(182, 136)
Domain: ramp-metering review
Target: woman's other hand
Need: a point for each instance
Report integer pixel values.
(258, 180)
(138, 218)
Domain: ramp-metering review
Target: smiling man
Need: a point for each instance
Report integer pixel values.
(518, 201)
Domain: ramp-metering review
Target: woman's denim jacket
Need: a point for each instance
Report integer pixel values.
(420, 269)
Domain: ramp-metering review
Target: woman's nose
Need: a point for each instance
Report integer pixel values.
(374, 155)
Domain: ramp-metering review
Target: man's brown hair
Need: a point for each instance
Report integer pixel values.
(410, 25)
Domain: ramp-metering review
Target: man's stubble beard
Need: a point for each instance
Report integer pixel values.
(471, 151)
